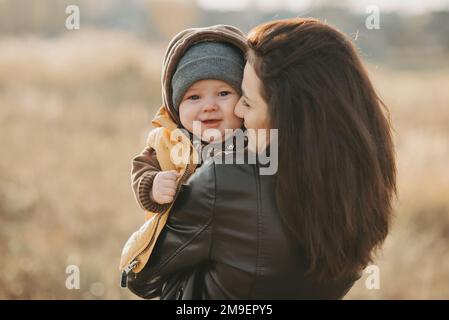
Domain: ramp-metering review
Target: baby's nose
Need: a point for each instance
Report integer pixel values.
(210, 106)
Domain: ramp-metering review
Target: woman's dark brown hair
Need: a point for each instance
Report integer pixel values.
(337, 172)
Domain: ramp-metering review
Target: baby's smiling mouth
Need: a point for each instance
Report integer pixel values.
(211, 122)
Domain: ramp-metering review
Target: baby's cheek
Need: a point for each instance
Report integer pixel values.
(186, 119)
(232, 121)
(236, 122)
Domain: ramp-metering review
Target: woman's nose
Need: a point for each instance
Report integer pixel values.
(238, 110)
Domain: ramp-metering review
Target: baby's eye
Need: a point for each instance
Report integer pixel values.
(224, 93)
(193, 97)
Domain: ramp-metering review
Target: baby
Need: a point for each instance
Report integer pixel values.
(201, 79)
(203, 70)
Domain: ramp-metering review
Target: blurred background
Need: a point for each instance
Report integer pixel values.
(76, 105)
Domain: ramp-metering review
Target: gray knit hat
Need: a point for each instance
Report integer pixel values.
(207, 60)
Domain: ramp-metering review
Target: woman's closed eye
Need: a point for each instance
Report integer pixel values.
(245, 103)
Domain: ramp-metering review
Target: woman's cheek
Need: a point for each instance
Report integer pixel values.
(249, 120)
(252, 140)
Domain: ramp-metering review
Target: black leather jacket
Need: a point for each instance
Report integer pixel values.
(224, 239)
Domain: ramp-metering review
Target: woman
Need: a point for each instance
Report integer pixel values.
(308, 230)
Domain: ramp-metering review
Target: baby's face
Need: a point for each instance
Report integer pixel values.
(211, 103)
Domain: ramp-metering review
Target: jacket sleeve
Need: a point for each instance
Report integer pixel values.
(145, 166)
(185, 240)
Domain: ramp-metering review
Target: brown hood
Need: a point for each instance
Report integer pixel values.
(184, 40)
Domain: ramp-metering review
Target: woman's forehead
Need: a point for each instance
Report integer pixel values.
(251, 82)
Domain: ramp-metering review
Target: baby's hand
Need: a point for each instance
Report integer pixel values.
(164, 186)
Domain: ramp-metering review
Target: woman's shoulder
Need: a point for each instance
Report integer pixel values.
(222, 177)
